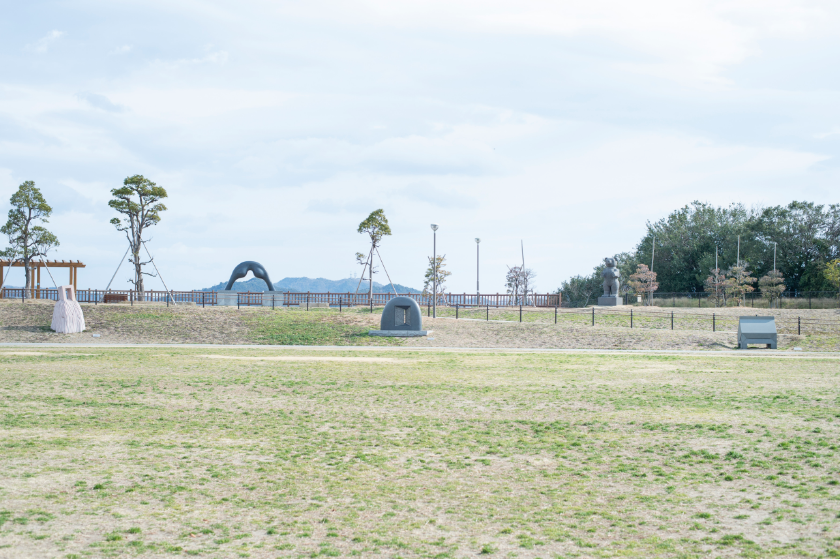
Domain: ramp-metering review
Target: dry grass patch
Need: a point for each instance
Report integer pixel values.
(158, 454)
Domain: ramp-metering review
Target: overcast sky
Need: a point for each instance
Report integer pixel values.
(276, 127)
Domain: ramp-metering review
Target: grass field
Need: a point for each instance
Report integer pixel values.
(257, 453)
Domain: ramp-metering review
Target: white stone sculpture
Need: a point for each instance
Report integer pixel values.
(67, 314)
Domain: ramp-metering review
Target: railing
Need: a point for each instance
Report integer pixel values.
(788, 299)
(247, 298)
(635, 317)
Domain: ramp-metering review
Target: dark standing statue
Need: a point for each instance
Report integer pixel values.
(242, 270)
(611, 275)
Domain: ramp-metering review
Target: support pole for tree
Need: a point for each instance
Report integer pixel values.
(118, 268)
(3, 279)
(44, 262)
(394, 289)
(152, 260)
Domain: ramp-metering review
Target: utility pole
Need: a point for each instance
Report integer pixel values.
(434, 270)
(717, 276)
(477, 290)
(774, 255)
(738, 257)
(653, 253)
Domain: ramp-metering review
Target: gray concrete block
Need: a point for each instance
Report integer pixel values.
(607, 301)
(757, 330)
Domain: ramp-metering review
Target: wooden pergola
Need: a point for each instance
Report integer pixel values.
(35, 266)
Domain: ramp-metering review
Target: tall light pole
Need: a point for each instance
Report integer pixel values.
(434, 270)
(477, 290)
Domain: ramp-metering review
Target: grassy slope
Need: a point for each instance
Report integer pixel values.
(184, 324)
(316, 327)
(167, 453)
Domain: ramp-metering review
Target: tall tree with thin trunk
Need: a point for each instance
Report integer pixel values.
(715, 286)
(438, 265)
(139, 203)
(375, 226)
(27, 239)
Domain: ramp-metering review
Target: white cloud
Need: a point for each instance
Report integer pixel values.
(218, 57)
(100, 102)
(692, 41)
(97, 192)
(122, 49)
(43, 44)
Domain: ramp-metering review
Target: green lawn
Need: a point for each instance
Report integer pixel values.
(167, 452)
(313, 327)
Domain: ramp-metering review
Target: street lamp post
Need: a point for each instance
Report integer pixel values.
(477, 289)
(434, 270)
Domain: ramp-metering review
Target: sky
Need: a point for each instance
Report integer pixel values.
(276, 127)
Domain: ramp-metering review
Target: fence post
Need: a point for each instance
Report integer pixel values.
(672, 320)
(714, 326)
(339, 303)
(202, 299)
(593, 316)
(520, 313)
(96, 297)
(307, 300)
(456, 311)
(131, 297)
(698, 300)
(428, 308)
(488, 312)
(631, 319)
(798, 325)
(237, 300)
(555, 314)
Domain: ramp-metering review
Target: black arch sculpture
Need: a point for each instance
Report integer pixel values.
(242, 270)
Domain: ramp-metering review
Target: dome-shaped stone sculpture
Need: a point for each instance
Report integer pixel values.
(401, 317)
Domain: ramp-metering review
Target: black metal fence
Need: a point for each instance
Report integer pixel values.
(787, 300)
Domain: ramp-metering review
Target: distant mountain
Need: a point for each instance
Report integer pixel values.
(317, 285)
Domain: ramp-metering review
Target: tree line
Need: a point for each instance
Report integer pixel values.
(735, 244)
(138, 201)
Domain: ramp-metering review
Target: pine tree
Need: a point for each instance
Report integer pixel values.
(739, 283)
(772, 286)
(27, 239)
